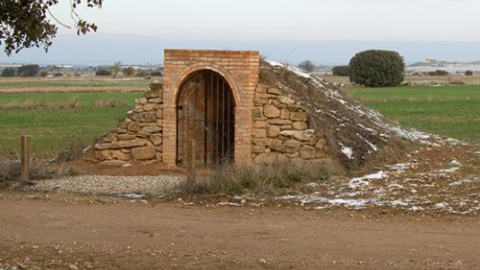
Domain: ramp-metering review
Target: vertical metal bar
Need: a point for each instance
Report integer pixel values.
(25, 158)
(205, 125)
(191, 156)
(229, 115)
(212, 129)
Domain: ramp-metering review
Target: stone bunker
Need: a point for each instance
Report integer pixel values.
(230, 106)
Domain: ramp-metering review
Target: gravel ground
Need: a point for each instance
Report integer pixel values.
(129, 186)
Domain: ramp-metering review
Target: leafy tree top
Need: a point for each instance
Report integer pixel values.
(26, 23)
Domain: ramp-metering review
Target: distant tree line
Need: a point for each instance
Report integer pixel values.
(23, 71)
(114, 71)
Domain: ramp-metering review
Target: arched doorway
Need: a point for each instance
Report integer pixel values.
(205, 120)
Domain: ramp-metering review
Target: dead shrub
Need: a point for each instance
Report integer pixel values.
(43, 104)
(257, 179)
(39, 169)
(74, 151)
(109, 103)
(69, 104)
(455, 81)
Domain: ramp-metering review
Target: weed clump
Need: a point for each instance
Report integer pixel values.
(38, 105)
(271, 178)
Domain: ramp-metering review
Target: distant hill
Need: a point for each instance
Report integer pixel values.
(440, 63)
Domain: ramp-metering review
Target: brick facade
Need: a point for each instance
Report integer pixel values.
(239, 68)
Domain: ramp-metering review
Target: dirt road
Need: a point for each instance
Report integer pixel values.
(72, 232)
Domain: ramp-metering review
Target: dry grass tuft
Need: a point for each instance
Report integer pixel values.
(109, 103)
(37, 105)
(258, 179)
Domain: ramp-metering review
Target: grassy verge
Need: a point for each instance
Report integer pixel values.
(53, 129)
(452, 111)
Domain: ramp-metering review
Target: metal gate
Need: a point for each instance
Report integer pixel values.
(205, 120)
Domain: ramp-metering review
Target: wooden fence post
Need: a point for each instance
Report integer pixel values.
(25, 158)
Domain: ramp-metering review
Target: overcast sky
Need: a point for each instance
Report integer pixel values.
(326, 31)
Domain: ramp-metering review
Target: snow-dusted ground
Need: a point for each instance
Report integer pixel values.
(398, 186)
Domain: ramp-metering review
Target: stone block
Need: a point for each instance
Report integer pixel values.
(285, 100)
(271, 111)
(261, 88)
(321, 143)
(273, 131)
(143, 134)
(152, 129)
(264, 96)
(103, 155)
(134, 126)
(286, 127)
(279, 122)
(120, 130)
(156, 139)
(156, 86)
(121, 144)
(274, 142)
(257, 112)
(126, 137)
(151, 107)
(118, 154)
(292, 143)
(150, 117)
(298, 116)
(259, 141)
(260, 101)
(123, 124)
(279, 105)
(274, 91)
(301, 135)
(143, 153)
(295, 108)
(151, 94)
(284, 114)
(158, 101)
(258, 149)
(259, 133)
(300, 125)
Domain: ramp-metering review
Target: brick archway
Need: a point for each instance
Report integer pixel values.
(205, 108)
(239, 68)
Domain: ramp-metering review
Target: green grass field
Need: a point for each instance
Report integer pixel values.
(59, 83)
(52, 130)
(452, 111)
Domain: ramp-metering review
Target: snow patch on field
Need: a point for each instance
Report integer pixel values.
(365, 180)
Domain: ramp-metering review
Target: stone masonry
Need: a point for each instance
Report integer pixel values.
(139, 137)
(269, 126)
(280, 130)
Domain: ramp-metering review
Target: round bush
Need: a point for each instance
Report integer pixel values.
(340, 71)
(377, 68)
(103, 72)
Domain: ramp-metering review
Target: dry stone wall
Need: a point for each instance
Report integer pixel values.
(280, 130)
(139, 137)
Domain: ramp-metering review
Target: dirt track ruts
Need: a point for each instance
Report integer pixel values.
(68, 232)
